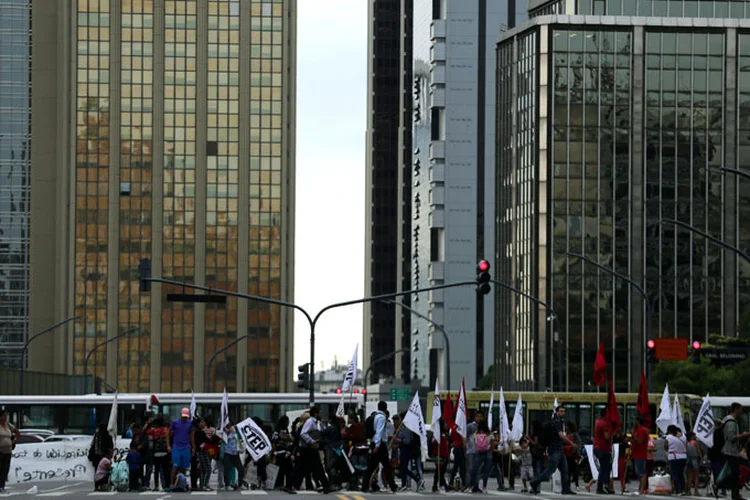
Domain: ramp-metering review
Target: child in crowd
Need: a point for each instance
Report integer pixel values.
(523, 452)
(180, 484)
(135, 465)
(101, 477)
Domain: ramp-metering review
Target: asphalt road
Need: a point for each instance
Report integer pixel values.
(85, 489)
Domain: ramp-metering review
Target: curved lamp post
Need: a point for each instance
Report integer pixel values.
(223, 349)
(640, 290)
(25, 349)
(438, 328)
(381, 358)
(97, 346)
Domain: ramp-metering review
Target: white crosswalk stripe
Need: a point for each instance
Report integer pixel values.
(254, 492)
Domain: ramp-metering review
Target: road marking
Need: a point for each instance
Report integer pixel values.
(102, 493)
(203, 493)
(55, 494)
(60, 488)
(156, 493)
(342, 497)
(358, 497)
(254, 492)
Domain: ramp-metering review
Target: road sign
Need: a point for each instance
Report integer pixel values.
(728, 355)
(671, 349)
(400, 394)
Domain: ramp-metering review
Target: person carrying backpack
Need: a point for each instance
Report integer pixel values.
(733, 439)
(482, 457)
(406, 439)
(556, 458)
(714, 453)
(159, 434)
(379, 448)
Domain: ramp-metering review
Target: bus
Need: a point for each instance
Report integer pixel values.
(581, 408)
(81, 414)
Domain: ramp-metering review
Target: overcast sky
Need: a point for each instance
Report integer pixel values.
(330, 217)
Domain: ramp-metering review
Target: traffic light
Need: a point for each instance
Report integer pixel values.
(144, 274)
(303, 376)
(696, 352)
(483, 277)
(651, 352)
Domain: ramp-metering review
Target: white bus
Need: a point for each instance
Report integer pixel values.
(81, 414)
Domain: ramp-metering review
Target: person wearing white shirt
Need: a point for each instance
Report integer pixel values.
(309, 454)
(379, 451)
(677, 455)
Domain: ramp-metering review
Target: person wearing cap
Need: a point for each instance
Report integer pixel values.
(182, 440)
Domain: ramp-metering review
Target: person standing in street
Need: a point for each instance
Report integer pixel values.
(603, 452)
(182, 439)
(732, 445)
(639, 453)
(459, 458)
(379, 451)
(310, 451)
(556, 458)
(8, 437)
(471, 446)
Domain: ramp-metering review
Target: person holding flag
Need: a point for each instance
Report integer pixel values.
(639, 452)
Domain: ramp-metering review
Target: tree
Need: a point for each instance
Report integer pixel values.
(487, 382)
(687, 377)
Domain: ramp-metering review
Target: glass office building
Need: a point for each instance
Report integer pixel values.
(182, 153)
(611, 126)
(15, 180)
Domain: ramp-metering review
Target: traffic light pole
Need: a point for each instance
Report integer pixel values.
(438, 328)
(367, 372)
(311, 320)
(640, 290)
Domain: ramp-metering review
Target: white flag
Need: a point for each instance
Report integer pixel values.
(704, 423)
(461, 423)
(340, 410)
(351, 373)
(224, 416)
(437, 413)
(504, 426)
(554, 408)
(489, 415)
(193, 406)
(112, 424)
(517, 433)
(414, 421)
(664, 420)
(677, 415)
(257, 443)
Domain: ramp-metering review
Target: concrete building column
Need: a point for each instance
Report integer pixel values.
(729, 236)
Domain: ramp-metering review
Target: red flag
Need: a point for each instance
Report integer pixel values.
(642, 406)
(448, 412)
(600, 367)
(613, 414)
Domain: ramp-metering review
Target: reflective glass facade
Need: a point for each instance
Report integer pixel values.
(15, 180)
(629, 123)
(184, 156)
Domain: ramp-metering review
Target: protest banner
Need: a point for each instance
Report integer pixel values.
(58, 461)
(257, 443)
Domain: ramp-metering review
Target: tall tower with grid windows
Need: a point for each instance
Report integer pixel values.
(163, 130)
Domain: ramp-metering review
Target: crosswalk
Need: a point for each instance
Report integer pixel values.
(339, 495)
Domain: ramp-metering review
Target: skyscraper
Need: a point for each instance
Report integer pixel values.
(610, 125)
(15, 181)
(420, 52)
(180, 149)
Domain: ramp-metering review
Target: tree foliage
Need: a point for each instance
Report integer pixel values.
(687, 377)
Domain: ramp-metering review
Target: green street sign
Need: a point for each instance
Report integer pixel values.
(400, 394)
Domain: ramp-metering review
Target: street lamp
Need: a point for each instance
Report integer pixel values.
(97, 346)
(551, 315)
(145, 278)
(635, 285)
(438, 328)
(26, 348)
(717, 241)
(381, 358)
(210, 361)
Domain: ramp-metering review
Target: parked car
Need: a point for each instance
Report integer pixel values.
(65, 437)
(29, 439)
(43, 433)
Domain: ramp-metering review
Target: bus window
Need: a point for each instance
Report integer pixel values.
(579, 413)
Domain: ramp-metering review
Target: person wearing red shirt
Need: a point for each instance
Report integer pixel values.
(442, 454)
(459, 457)
(603, 452)
(639, 452)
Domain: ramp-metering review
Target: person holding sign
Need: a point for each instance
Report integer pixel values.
(309, 454)
(8, 437)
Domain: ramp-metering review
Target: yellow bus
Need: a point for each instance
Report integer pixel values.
(581, 407)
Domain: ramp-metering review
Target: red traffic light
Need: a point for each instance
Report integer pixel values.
(364, 391)
(696, 345)
(356, 391)
(651, 344)
(338, 391)
(483, 266)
